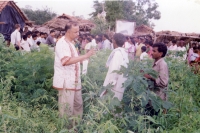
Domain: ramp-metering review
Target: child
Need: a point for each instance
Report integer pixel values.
(144, 55)
(24, 44)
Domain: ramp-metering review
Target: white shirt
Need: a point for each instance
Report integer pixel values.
(30, 41)
(136, 45)
(106, 44)
(15, 37)
(25, 45)
(94, 44)
(88, 46)
(42, 40)
(181, 48)
(143, 56)
(69, 73)
(118, 58)
(194, 56)
(173, 48)
(127, 45)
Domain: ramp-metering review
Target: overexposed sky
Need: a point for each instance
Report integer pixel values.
(176, 15)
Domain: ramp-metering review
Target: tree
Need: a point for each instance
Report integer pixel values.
(101, 26)
(139, 11)
(40, 16)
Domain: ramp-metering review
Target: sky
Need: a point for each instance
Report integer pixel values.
(176, 15)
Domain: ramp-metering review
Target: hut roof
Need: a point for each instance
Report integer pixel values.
(178, 34)
(143, 30)
(11, 3)
(59, 23)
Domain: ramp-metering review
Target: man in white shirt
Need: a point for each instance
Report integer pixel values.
(16, 37)
(24, 44)
(173, 47)
(106, 42)
(144, 55)
(88, 45)
(29, 38)
(127, 44)
(67, 78)
(181, 46)
(94, 44)
(41, 38)
(34, 42)
(118, 58)
(136, 39)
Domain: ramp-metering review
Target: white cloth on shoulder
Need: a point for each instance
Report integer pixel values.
(117, 58)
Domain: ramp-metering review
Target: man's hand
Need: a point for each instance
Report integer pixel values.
(149, 77)
(90, 53)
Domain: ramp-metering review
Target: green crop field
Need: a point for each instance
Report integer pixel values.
(28, 103)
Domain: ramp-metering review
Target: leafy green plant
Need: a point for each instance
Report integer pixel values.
(28, 103)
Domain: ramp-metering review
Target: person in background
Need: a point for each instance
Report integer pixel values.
(45, 36)
(190, 52)
(67, 78)
(16, 37)
(194, 55)
(99, 43)
(118, 58)
(181, 46)
(34, 41)
(38, 35)
(149, 38)
(138, 49)
(38, 46)
(78, 44)
(136, 39)
(24, 44)
(58, 37)
(160, 66)
(93, 41)
(173, 47)
(83, 43)
(50, 39)
(127, 44)
(41, 38)
(148, 45)
(132, 49)
(29, 38)
(106, 43)
(88, 46)
(25, 30)
(144, 55)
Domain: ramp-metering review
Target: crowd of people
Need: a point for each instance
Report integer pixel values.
(71, 49)
(31, 40)
(140, 46)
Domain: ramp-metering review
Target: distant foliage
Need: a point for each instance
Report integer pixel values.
(139, 11)
(40, 16)
(101, 27)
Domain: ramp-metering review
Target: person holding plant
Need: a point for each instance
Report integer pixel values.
(67, 78)
(118, 58)
(161, 82)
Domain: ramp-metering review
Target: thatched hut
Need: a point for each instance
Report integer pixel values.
(59, 23)
(143, 30)
(10, 14)
(163, 36)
